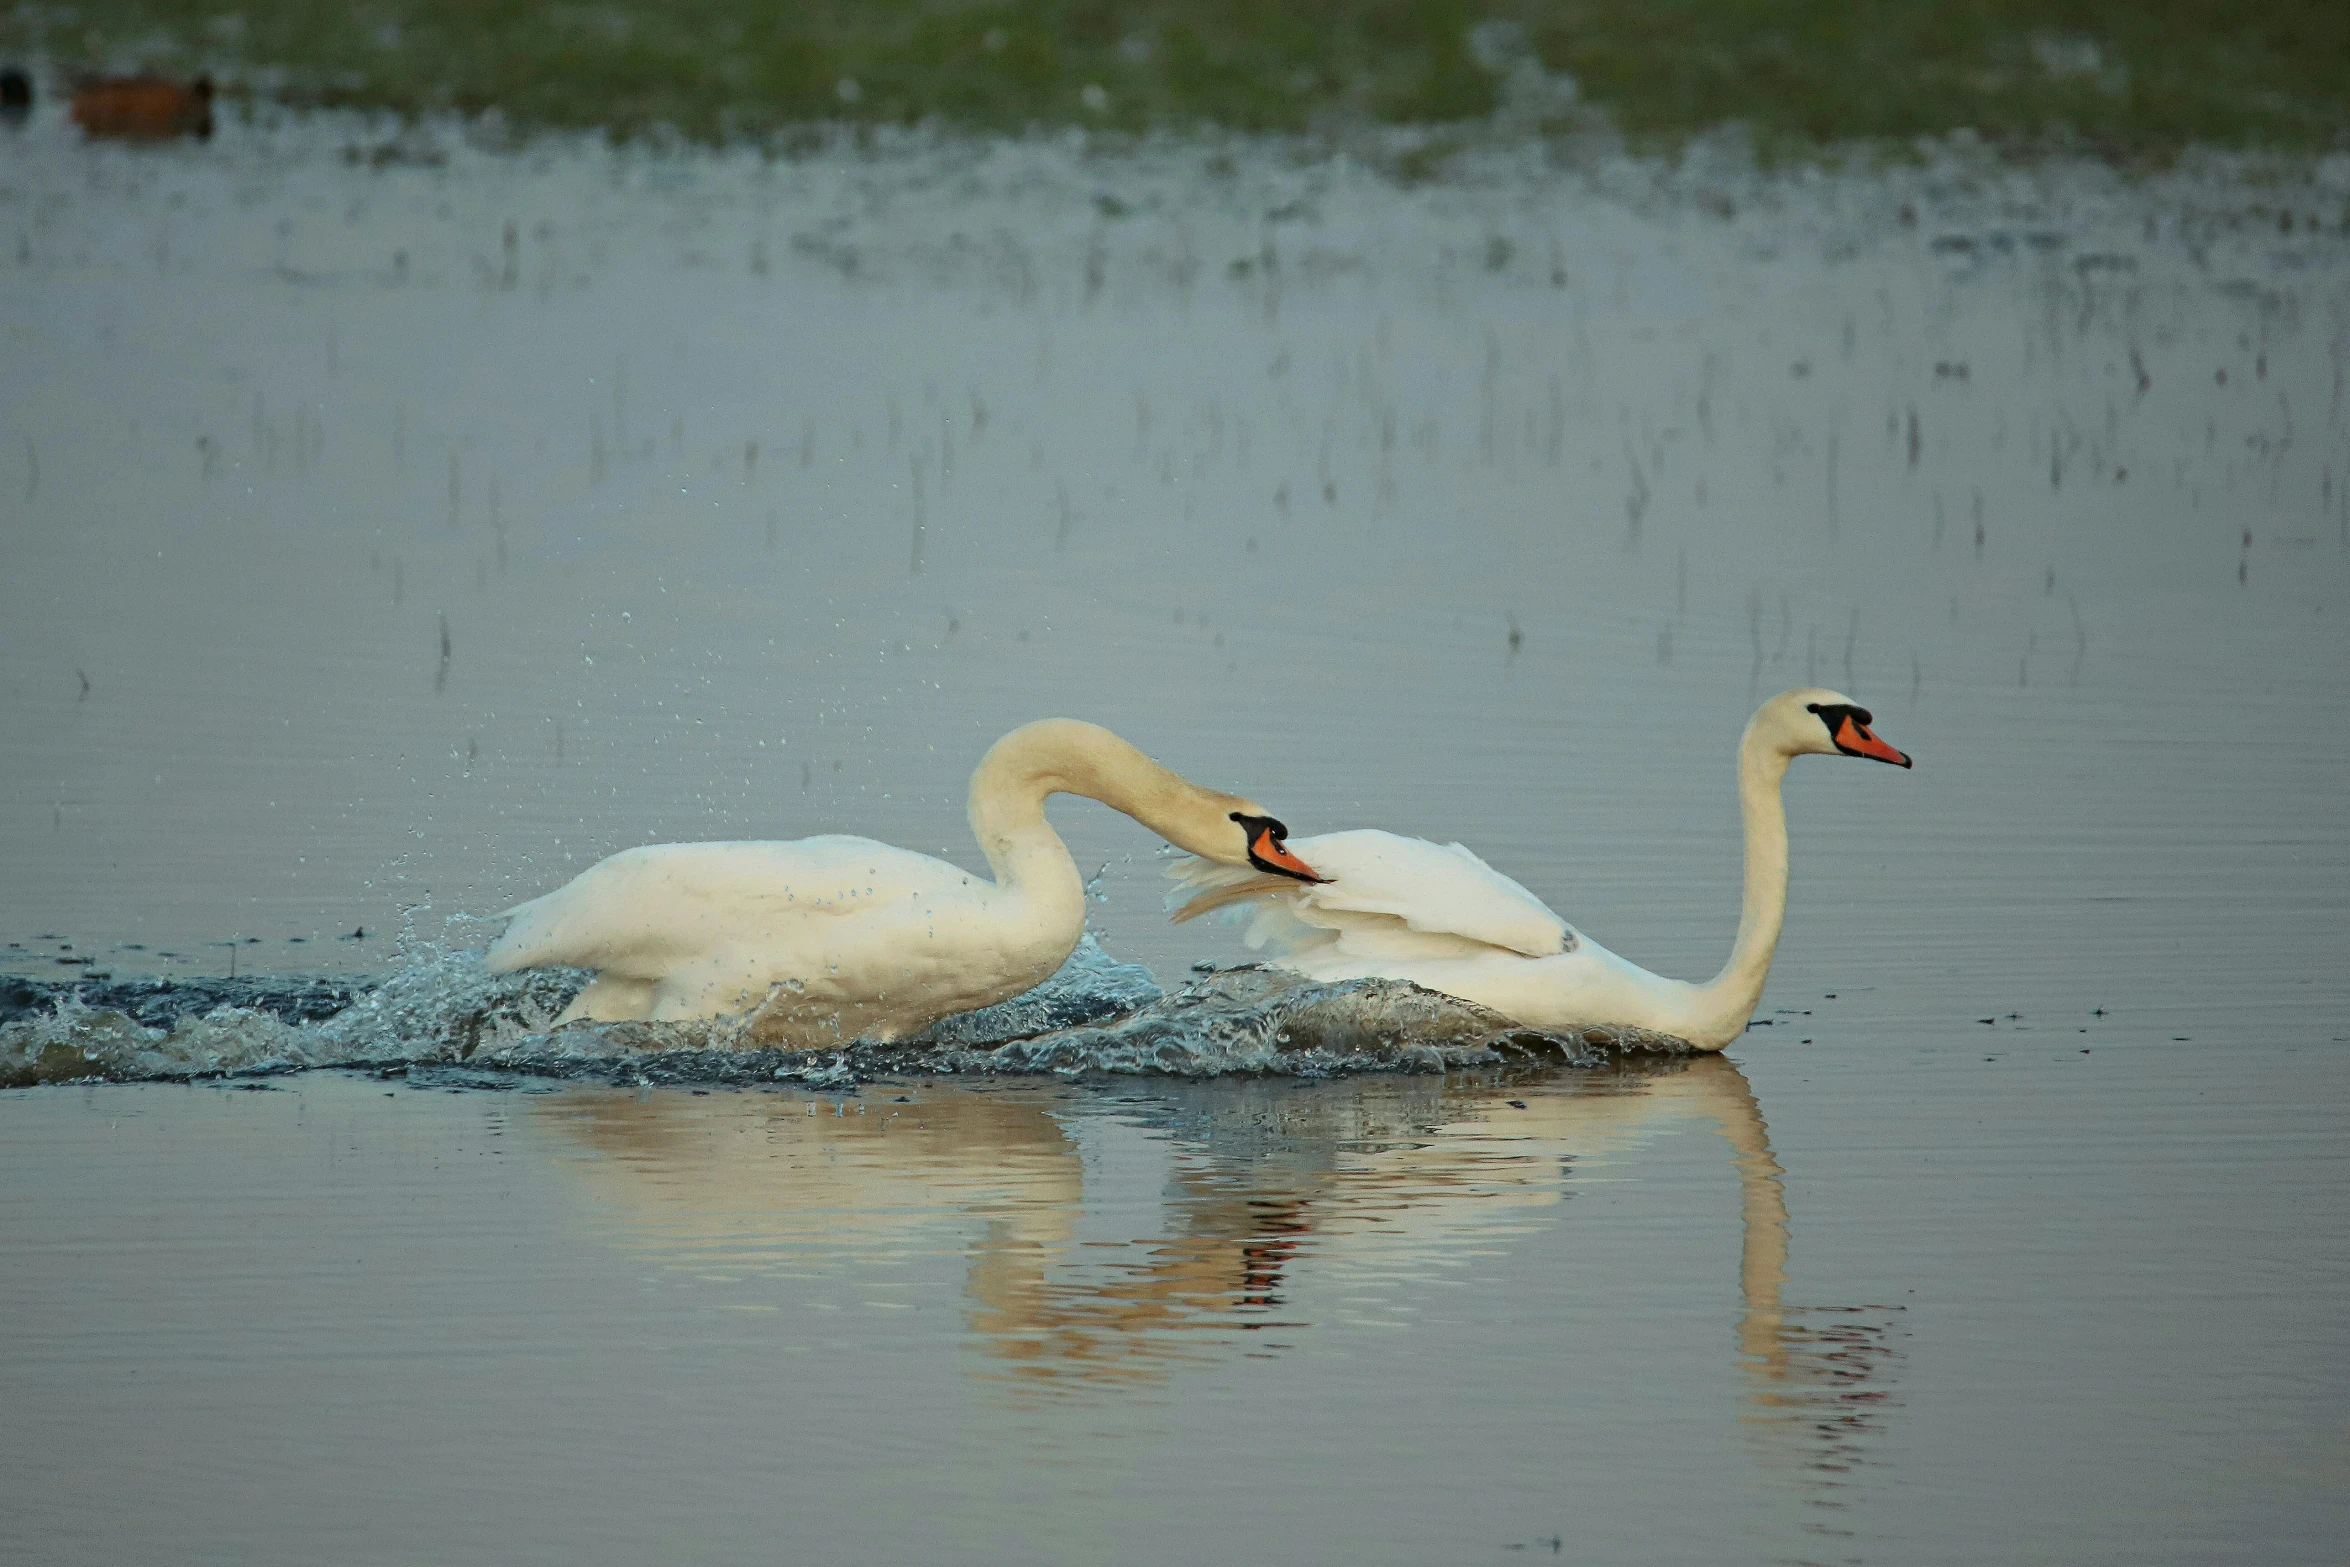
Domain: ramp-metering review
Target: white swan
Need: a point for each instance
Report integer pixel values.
(836, 938)
(1438, 916)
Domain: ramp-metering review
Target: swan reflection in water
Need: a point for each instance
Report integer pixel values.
(1376, 1182)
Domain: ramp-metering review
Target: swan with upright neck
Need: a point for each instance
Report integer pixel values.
(1403, 908)
(828, 939)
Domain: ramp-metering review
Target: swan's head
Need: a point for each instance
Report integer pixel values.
(1824, 723)
(1066, 756)
(1264, 844)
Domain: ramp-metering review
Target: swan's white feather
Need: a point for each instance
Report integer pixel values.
(637, 912)
(826, 938)
(1345, 929)
(1383, 895)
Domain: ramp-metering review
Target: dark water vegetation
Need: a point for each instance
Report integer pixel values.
(2136, 81)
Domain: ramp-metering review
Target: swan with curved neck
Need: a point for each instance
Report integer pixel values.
(1436, 915)
(828, 939)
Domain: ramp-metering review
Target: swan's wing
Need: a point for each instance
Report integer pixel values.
(1379, 886)
(654, 904)
(1442, 889)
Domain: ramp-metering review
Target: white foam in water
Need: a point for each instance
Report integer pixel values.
(441, 1012)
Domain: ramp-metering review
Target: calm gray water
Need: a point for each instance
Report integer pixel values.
(393, 527)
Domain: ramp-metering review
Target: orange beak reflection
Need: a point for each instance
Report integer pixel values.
(1853, 738)
(1272, 855)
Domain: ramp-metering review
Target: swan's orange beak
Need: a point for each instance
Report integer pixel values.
(1269, 853)
(1854, 739)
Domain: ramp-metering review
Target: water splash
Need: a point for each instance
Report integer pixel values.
(443, 1017)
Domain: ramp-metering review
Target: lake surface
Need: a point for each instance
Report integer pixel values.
(395, 526)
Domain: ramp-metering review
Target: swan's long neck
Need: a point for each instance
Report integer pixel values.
(1728, 1000)
(1063, 756)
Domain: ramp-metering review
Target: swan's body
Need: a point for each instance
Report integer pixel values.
(828, 939)
(1438, 916)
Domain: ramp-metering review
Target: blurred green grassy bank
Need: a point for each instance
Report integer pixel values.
(2133, 81)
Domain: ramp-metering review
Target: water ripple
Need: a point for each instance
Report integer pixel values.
(442, 1015)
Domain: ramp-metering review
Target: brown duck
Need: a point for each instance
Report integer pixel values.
(144, 108)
